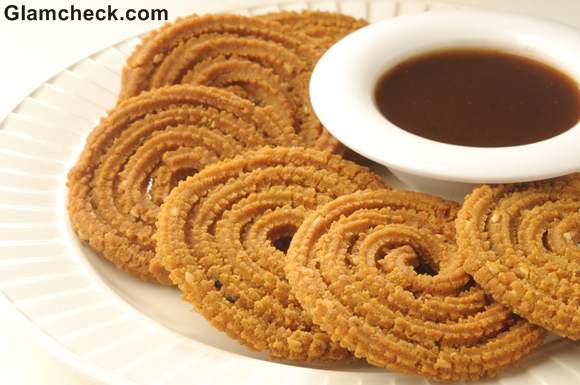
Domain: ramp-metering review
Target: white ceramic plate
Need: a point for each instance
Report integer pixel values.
(109, 325)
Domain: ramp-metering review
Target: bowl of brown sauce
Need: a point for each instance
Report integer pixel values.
(450, 99)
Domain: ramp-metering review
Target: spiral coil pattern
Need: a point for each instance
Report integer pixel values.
(522, 244)
(222, 235)
(142, 149)
(256, 59)
(379, 271)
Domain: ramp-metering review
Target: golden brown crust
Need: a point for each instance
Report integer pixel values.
(522, 246)
(160, 43)
(380, 273)
(217, 235)
(323, 28)
(257, 59)
(138, 153)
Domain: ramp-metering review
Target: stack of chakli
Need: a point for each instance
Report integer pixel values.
(267, 60)
(139, 152)
(196, 91)
(213, 174)
(221, 235)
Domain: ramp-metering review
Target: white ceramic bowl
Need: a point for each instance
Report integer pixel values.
(343, 83)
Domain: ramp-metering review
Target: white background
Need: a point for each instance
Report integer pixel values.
(31, 52)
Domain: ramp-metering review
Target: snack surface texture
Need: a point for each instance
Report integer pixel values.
(522, 244)
(222, 235)
(324, 28)
(139, 152)
(257, 59)
(379, 272)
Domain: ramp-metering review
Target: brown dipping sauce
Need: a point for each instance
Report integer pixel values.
(480, 98)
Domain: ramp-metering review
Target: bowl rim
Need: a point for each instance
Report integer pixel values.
(343, 81)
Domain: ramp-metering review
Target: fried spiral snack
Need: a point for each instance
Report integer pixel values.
(255, 59)
(142, 149)
(380, 273)
(522, 244)
(222, 235)
(323, 28)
